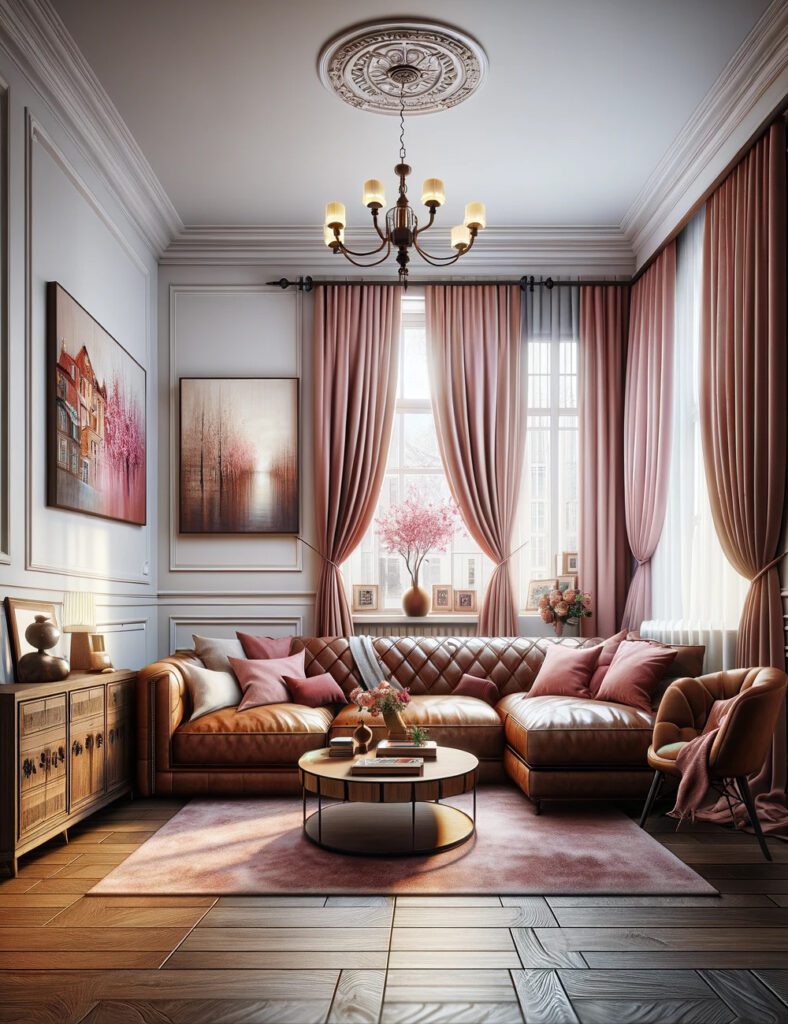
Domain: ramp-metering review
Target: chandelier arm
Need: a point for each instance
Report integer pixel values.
(446, 261)
(382, 259)
(428, 225)
(377, 226)
(344, 249)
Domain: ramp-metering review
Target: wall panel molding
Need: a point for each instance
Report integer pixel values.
(35, 36)
(293, 625)
(175, 564)
(36, 135)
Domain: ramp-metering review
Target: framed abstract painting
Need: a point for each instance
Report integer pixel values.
(239, 455)
(96, 445)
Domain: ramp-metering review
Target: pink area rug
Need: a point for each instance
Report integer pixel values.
(256, 846)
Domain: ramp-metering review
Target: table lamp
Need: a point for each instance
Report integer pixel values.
(88, 653)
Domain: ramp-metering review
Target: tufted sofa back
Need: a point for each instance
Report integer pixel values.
(435, 665)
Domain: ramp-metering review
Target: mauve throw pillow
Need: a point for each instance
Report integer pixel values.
(214, 651)
(210, 690)
(315, 691)
(634, 674)
(609, 648)
(566, 671)
(475, 686)
(263, 680)
(264, 646)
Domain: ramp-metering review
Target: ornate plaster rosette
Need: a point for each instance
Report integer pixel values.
(432, 66)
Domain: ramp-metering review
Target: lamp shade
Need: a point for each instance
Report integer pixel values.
(79, 612)
(460, 237)
(374, 193)
(475, 215)
(433, 192)
(335, 214)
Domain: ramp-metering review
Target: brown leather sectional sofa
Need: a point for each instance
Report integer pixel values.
(552, 747)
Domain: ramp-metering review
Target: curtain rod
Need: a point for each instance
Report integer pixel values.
(306, 284)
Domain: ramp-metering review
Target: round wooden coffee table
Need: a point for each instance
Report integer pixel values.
(388, 815)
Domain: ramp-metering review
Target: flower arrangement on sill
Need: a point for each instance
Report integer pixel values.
(412, 530)
(384, 700)
(560, 607)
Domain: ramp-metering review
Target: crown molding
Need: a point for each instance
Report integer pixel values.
(39, 42)
(569, 250)
(746, 94)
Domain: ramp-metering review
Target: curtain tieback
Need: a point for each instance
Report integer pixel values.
(324, 557)
(642, 561)
(771, 565)
(511, 554)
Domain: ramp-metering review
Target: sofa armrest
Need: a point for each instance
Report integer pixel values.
(161, 707)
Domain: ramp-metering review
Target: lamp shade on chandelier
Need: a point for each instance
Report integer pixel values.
(400, 229)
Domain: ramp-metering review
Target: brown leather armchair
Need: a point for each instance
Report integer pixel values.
(742, 744)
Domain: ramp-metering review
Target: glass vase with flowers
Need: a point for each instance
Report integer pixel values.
(560, 607)
(385, 700)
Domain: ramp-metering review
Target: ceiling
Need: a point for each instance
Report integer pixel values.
(580, 102)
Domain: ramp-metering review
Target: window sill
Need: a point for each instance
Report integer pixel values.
(395, 617)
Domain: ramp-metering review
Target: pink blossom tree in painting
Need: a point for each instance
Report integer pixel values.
(415, 528)
(124, 444)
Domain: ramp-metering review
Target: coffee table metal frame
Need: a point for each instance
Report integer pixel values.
(381, 784)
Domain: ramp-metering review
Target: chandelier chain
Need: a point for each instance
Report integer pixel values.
(403, 186)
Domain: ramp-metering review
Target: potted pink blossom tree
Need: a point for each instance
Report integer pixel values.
(413, 529)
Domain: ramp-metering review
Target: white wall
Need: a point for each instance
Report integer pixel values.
(223, 322)
(64, 224)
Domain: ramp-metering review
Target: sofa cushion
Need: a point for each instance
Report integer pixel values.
(463, 722)
(482, 689)
(264, 646)
(572, 731)
(271, 734)
(634, 674)
(566, 672)
(215, 651)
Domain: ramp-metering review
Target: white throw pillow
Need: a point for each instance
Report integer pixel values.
(210, 690)
(213, 651)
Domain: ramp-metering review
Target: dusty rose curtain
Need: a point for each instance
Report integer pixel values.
(356, 343)
(603, 552)
(475, 360)
(743, 402)
(647, 402)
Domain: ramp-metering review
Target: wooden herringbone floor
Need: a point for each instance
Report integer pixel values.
(67, 958)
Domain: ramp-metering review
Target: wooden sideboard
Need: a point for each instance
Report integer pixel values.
(65, 750)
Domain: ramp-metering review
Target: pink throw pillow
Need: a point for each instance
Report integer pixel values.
(634, 674)
(475, 686)
(263, 681)
(609, 648)
(566, 671)
(315, 691)
(264, 646)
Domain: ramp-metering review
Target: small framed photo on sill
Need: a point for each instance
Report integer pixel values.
(537, 589)
(365, 597)
(465, 601)
(442, 598)
(567, 583)
(568, 565)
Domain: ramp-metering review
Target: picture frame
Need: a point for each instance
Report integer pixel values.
(568, 563)
(365, 597)
(465, 601)
(20, 612)
(442, 597)
(96, 419)
(258, 489)
(567, 582)
(537, 589)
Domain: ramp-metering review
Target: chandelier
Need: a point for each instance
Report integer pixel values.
(400, 229)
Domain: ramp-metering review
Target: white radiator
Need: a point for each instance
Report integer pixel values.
(424, 627)
(720, 643)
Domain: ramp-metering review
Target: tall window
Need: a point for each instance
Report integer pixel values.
(547, 519)
(414, 466)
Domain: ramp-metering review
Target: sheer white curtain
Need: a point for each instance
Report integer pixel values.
(696, 596)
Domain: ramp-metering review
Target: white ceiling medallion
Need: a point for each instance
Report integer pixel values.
(431, 66)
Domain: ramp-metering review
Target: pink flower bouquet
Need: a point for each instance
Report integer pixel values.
(562, 606)
(380, 700)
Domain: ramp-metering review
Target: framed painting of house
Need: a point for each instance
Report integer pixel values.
(96, 444)
(239, 455)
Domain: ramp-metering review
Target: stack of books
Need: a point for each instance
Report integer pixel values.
(340, 746)
(388, 766)
(404, 748)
